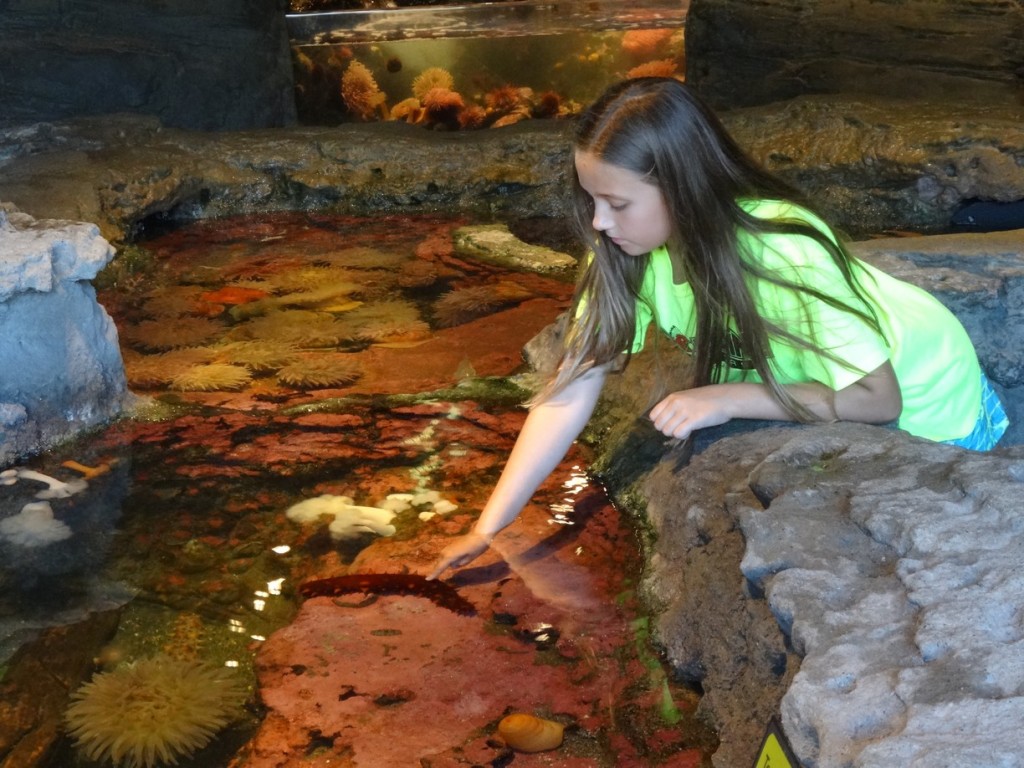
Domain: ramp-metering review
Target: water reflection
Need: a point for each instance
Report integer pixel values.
(185, 547)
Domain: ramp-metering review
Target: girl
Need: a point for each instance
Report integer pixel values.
(782, 323)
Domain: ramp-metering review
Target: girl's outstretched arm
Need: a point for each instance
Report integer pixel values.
(873, 399)
(546, 435)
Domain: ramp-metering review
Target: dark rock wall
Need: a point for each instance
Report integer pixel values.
(743, 53)
(191, 63)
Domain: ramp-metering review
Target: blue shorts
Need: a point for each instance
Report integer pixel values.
(992, 422)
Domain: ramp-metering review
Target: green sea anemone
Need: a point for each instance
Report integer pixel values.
(152, 712)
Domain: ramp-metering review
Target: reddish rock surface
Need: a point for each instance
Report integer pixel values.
(389, 680)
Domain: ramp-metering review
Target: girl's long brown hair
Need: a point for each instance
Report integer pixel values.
(659, 129)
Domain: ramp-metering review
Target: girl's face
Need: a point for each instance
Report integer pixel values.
(627, 208)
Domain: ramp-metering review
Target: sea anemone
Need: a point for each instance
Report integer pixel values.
(360, 91)
(504, 98)
(320, 371)
(152, 712)
(380, 320)
(645, 42)
(443, 106)
(418, 273)
(549, 104)
(430, 78)
(258, 355)
(158, 370)
(473, 116)
(171, 334)
(214, 377)
(302, 328)
(659, 68)
(172, 301)
(330, 293)
(309, 277)
(465, 304)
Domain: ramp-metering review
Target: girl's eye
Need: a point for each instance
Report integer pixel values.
(618, 206)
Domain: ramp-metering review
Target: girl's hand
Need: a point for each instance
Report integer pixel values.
(460, 552)
(680, 413)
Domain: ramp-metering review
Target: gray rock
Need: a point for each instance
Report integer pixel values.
(873, 164)
(62, 366)
(195, 64)
(862, 582)
(964, 51)
(494, 244)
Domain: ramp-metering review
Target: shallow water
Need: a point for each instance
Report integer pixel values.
(327, 355)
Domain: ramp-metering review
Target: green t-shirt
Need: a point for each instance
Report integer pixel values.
(934, 359)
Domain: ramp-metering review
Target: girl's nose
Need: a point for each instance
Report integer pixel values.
(601, 220)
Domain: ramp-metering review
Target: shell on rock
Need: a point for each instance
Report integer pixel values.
(528, 733)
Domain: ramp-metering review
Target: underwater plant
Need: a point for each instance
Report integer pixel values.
(152, 712)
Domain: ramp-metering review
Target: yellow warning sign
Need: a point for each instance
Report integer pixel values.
(775, 752)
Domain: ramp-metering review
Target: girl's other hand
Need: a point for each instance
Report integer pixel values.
(460, 552)
(680, 413)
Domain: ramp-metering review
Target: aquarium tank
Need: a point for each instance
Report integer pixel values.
(475, 65)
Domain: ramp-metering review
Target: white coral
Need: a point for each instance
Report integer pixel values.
(34, 526)
(350, 520)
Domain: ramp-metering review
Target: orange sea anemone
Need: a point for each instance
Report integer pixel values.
(430, 78)
(360, 91)
(443, 106)
(645, 42)
(504, 98)
(549, 104)
(659, 68)
(473, 116)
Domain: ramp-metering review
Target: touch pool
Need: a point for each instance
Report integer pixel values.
(313, 359)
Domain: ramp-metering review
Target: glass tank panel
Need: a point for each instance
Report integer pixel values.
(477, 66)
